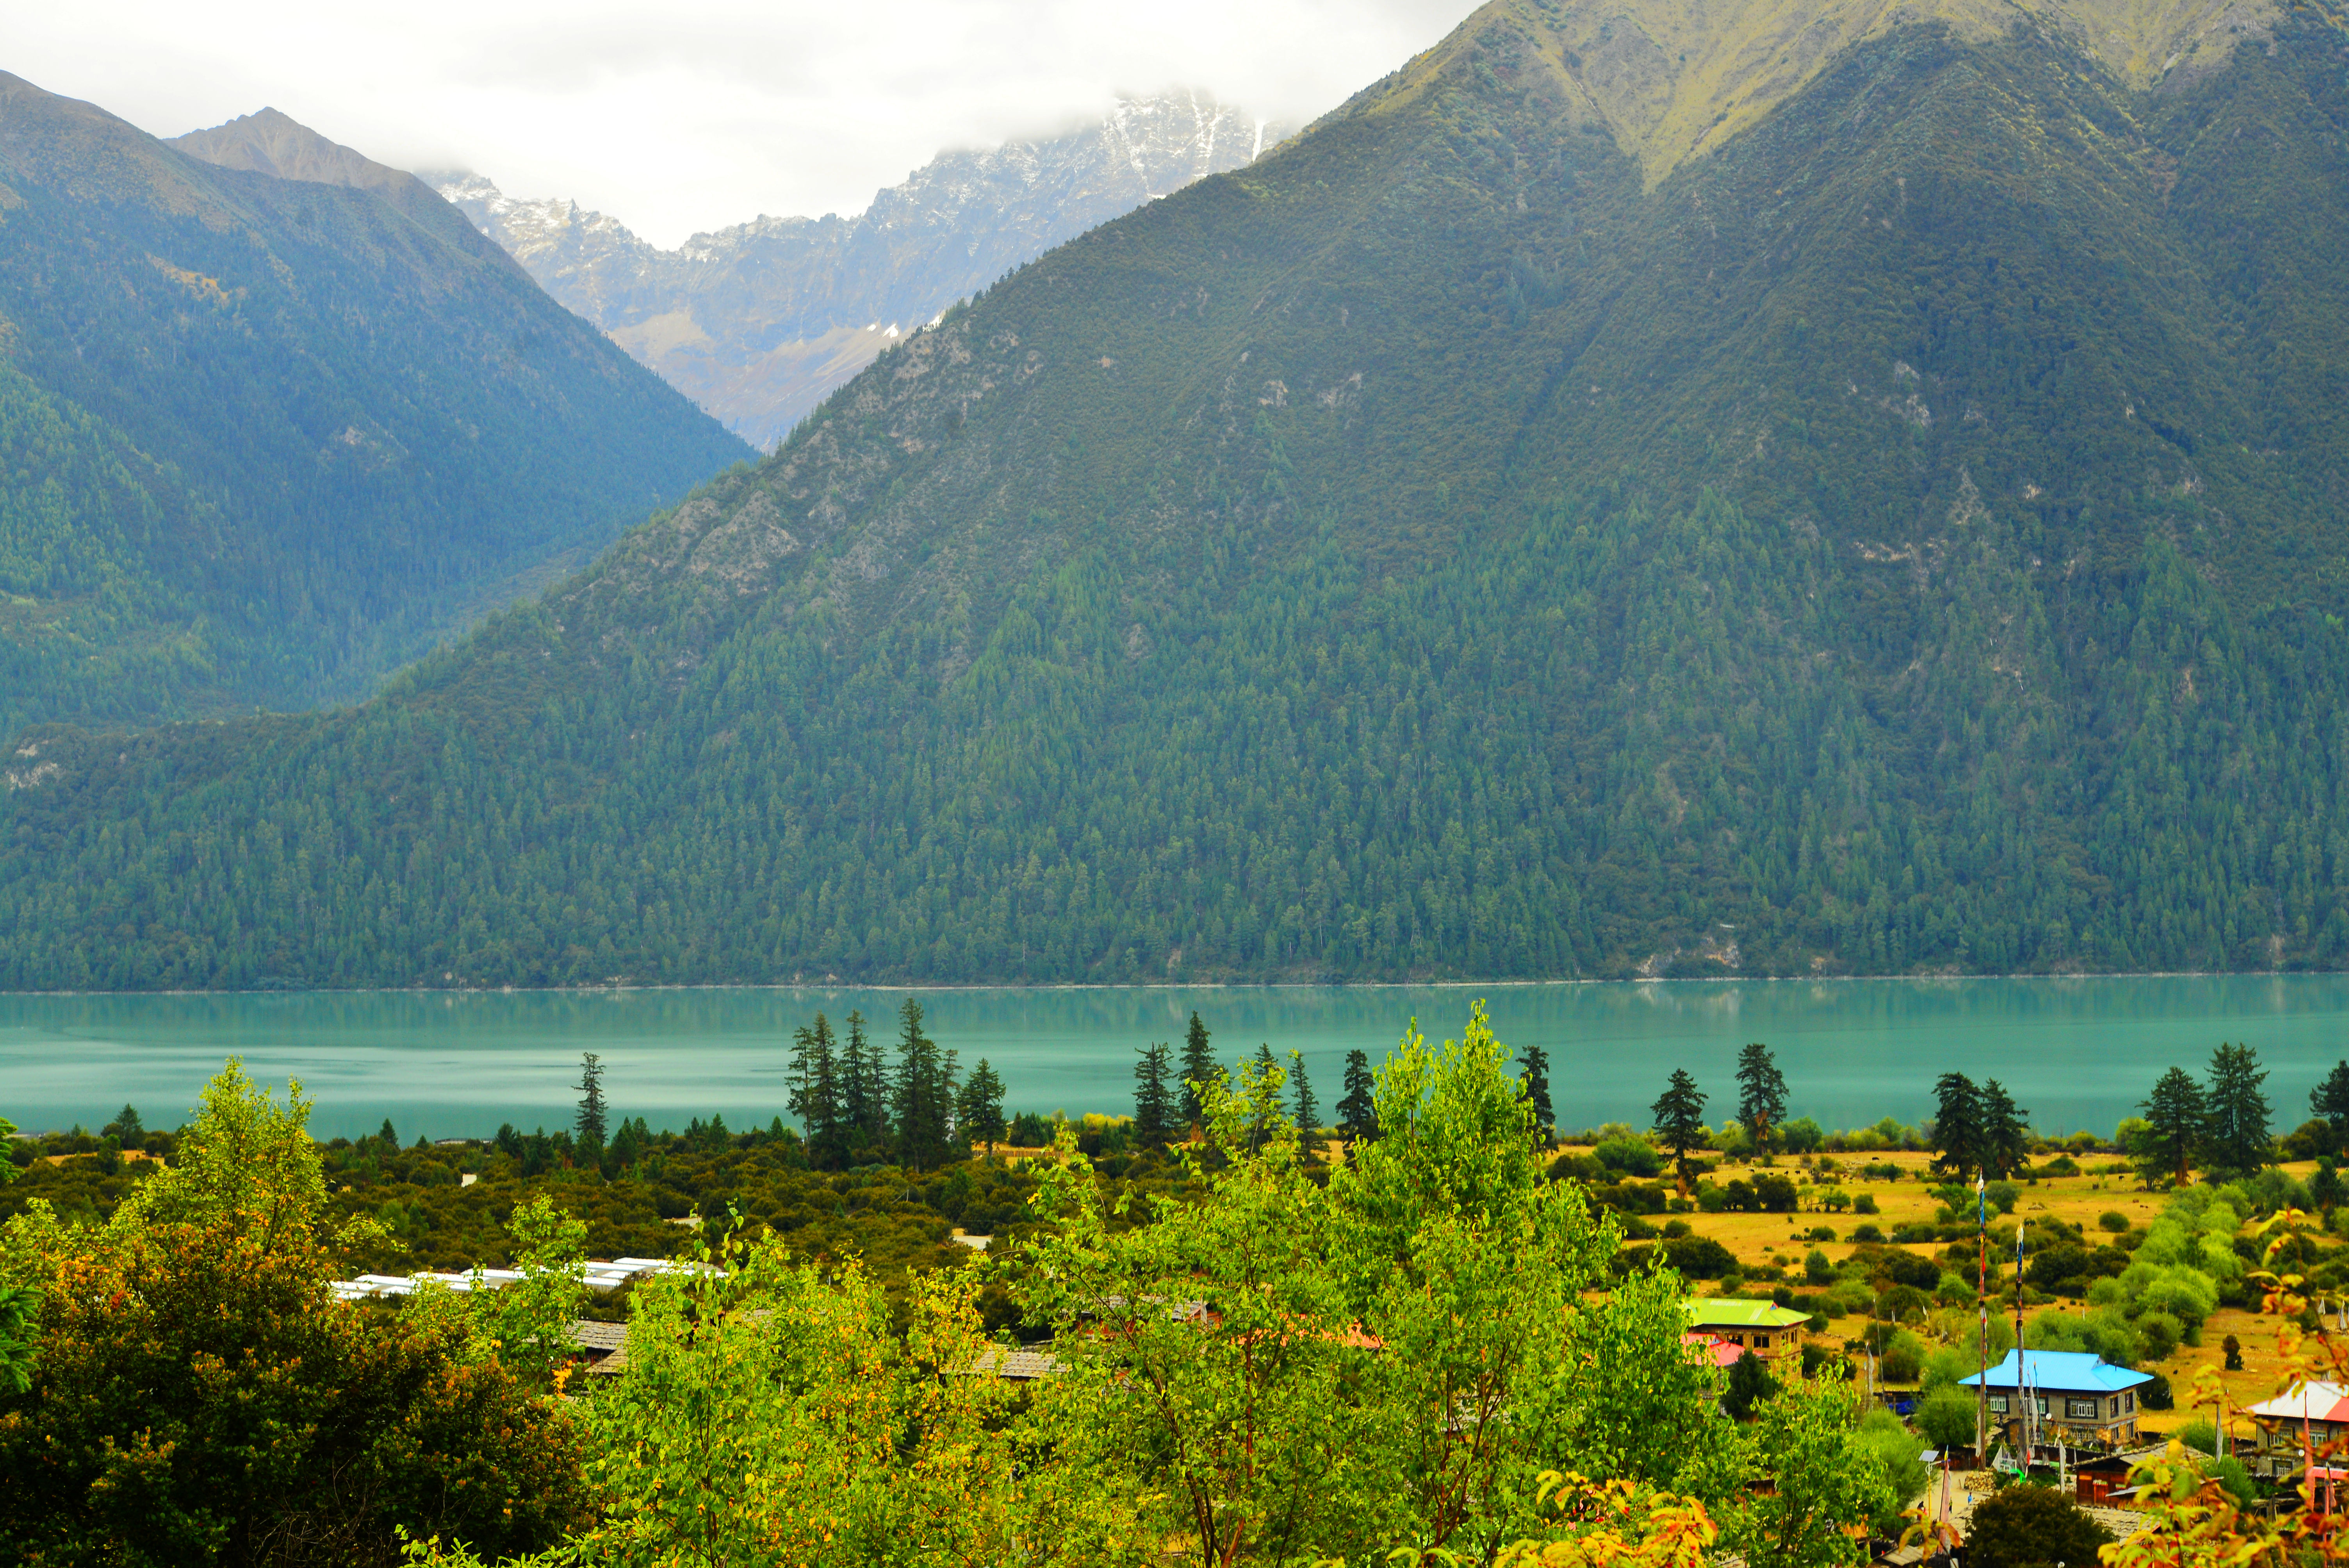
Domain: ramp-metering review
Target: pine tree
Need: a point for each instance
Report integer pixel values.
(1535, 1080)
(2005, 1132)
(2237, 1127)
(1263, 1069)
(1154, 1102)
(1762, 1095)
(1679, 1115)
(1957, 1125)
(1304, 1109)
(2329, 1100)
(863, 1090)
(924, 1086)
(590, 1125)
(2175, 1117)
(1199, 1067)
(815, 1097)
(126, 1127)
(978, 1107)
(1358, 1112)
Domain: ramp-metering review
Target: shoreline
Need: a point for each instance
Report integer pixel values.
(948, 988)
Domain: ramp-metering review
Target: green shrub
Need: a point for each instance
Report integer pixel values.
(1896, 1451)
(1904, 1358)
(1946, 1417)
(1630, 1156)
(1946, 1366)
(2112, 1219)
(2031, 1526)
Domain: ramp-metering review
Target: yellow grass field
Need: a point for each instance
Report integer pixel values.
(2082, 1200)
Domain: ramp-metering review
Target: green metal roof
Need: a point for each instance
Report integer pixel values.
(1733, 1312)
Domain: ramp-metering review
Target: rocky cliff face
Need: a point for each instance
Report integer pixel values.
(759, 322)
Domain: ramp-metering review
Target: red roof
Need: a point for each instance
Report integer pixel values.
(1724, 1353)
(2305, 1402)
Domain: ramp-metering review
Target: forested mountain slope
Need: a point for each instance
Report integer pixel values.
(266, 429)
(1904, 535)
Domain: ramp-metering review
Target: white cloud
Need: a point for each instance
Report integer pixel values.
(678, 118)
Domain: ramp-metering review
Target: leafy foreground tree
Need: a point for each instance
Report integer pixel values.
(197, 1395)
(200, 1397)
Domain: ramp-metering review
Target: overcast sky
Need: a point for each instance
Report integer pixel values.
(680, 116)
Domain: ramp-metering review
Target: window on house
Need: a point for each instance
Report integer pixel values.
(1998, 1403)
(2080, 1409)
(1761, 1341)
(2128, 1402)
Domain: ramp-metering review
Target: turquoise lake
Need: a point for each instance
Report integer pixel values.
(2077, 1052)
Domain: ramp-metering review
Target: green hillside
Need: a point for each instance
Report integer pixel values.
(1900, 536)
(261, 439)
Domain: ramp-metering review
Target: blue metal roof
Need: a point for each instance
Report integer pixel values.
(2059, 1371)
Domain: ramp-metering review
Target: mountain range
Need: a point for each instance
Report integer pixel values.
(1643, 490)
(756, 322)
(275, 419)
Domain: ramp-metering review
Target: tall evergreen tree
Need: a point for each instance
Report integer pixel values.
(2236, 1130)
(1263, 1066)
(1199, 1066)
(2176, 1119)
(1303, 1107)
(1534, 1076)
(863, 1088)
(1679, 1115)
(1154, 1102)
(1762, 1095)
(815, 1094)
(589, 1129)
(1957, 1125)
(2329, 1100)
(923, 1088)
(978, 1107)
(2005, 1132)
(1358, 1112)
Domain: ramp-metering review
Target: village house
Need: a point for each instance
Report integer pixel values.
(1768, 1331)
(2310, 1416)
(2082, 1400)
